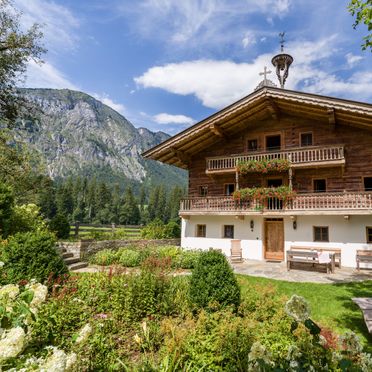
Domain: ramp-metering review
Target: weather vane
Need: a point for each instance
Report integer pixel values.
(282, 41)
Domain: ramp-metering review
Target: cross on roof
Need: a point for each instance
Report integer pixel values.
(265, 73)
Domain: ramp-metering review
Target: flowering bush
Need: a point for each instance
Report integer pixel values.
(263, 166)
(261, 194)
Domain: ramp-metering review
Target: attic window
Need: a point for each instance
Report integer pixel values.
(252, 145)
(306, 139)
(273, 143)
(203, 190)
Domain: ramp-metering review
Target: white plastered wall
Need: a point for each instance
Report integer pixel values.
(347, 234)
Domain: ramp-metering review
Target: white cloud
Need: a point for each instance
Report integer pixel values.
(248, 39)
(46, 76)
(104, 98)
(208, 23)
(352, 59)
(58, 23)
(165, 118)
(219, 83)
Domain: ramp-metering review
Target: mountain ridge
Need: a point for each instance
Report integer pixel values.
(78, 135)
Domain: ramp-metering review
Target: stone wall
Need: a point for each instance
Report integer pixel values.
(86, 248)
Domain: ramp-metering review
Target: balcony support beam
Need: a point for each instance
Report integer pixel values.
(331, 117)
(218, 131)
(183, 158)
(273, 109)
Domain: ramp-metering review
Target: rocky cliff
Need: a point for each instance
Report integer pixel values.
(79, 135)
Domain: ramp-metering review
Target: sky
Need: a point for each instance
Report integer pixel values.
(167, 64)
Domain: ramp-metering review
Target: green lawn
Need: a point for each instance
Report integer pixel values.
(331, 304)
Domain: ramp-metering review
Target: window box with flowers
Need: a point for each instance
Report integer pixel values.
(263, 166)
(262, 194)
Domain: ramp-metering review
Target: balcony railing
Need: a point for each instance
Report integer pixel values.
(298, 157)
(305, 203)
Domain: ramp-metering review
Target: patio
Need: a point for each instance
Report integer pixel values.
(300, 273)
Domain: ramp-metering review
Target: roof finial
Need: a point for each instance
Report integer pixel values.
(282, 62)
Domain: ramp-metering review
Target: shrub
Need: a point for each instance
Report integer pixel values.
(31, 255)
(172, 230)
(158, 230)
(188, 259)
(129, 258)
(213, 281)
(104, 257)
(60, 225)
(26, 218)
(6, 207)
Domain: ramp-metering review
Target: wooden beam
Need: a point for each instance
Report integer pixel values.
(216, 130)
(273, 108)
(331, 116)
(183, 158)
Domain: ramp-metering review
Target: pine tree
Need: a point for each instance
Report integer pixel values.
(47, 197)
(153, 203)
(129, 211)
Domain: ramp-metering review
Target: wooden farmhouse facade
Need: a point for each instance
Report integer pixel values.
(276, 169)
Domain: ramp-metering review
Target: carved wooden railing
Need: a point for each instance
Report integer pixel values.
(346, 201)
(303, 155)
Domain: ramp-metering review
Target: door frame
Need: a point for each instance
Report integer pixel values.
(265, 237)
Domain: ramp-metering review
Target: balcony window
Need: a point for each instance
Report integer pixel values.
(201, 231)
(306, 139)
(320, 185)
(368, 183)
(369, 235)
(273, 143)
(229, 189)
(203, 191)
(252, 145)
(228, 231)
(321, 234)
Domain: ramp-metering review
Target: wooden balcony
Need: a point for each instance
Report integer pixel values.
(300, 158)
(345, 203)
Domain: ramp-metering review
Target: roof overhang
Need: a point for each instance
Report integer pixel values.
(265, 102)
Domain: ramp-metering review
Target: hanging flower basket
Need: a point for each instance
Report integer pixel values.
(263, 166)
(261, 194)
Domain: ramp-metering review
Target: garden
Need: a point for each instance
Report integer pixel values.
(152, 319)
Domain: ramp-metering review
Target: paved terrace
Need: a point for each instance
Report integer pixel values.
(300, 273)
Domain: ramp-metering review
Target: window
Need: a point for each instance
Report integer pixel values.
(201, 231)
(203, 190)
(273, 143)
(368, 183)
(252, 145)
(228, 231)
(321, 234)
(229, 188)
(320, 185)
(369, 235)
(306, 139)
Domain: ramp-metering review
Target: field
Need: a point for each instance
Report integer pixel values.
(102, 231)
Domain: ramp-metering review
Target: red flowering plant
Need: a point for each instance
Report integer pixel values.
(263, 166)
(261, 194)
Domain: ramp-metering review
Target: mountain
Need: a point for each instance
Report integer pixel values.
(78, 135)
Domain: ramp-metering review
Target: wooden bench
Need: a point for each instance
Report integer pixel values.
(363, 257)
(336, 251)
(301, 256)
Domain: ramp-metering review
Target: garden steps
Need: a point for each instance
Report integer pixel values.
(72, 259)
(67, 255)
(77, 266)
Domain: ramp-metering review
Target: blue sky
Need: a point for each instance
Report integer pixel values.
(166, 64)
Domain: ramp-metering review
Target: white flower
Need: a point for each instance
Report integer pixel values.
(298, 308)
(40, 294)
(10, 290)
(12, 343)
(55, 362)
(70, 361)
(84, 334)
(1, 264)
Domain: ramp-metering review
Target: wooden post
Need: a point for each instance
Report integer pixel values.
(77, 225)
(290, 172)
(236, 180)
(113, 227)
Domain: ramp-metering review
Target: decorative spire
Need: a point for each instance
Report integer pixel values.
(282, 62)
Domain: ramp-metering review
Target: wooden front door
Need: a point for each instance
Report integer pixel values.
(274, 239)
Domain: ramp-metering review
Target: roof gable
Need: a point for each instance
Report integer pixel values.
(265, 102)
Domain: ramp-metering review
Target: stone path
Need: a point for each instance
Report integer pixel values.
(365, 304)
(276, 270)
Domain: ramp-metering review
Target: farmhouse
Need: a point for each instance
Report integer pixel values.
(275, 170)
